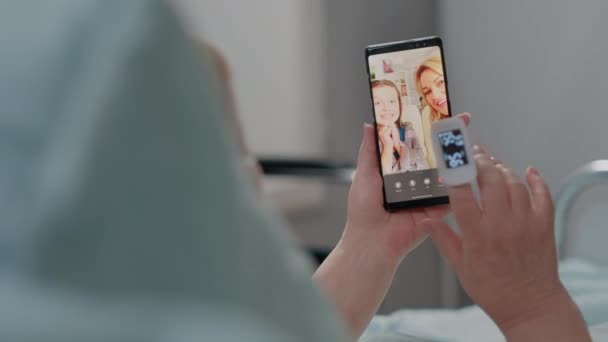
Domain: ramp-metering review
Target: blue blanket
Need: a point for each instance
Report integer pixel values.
(587, 283)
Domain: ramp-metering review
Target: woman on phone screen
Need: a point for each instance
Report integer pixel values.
(430, 84)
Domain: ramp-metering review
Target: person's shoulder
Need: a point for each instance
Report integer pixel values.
(118, 17)
(57, 315)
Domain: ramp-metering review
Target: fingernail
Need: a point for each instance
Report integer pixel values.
(534, 171)
(476, 148)
(531, 172)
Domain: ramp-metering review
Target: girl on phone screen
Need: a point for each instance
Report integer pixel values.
(387, 108)
(413, 158)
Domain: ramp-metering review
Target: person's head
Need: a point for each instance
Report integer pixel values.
(430, 84)
(411, 140)
(387, 102)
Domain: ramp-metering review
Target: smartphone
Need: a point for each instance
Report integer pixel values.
(409, 92)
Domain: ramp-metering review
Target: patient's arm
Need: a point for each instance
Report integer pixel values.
(356, 279)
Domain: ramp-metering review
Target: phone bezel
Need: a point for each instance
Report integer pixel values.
(411, 44)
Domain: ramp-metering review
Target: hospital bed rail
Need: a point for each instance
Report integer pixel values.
(579, 181)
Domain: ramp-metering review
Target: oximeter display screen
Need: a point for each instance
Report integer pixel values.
(452, 146)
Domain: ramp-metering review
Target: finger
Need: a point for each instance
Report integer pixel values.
(413, 232)
(465, 208)
(437, 212)
(482, 151)
(419, 231)
(466, 117)
(542, 203)
(495, 161)
(386, 133)
(478, 149)
(518, 193)
(419, 215)
(448, 243)
(367, 162)
(492, 186)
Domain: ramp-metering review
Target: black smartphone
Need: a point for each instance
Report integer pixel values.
(409, 92)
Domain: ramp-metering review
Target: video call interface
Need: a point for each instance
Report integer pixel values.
(409, 94)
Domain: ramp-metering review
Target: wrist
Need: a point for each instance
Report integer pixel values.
(552, 317)
(369, 247)
(356, 276)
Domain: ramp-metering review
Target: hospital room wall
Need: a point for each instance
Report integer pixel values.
(533, 75)
(275, 52)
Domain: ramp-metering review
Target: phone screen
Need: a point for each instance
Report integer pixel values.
(409, 93)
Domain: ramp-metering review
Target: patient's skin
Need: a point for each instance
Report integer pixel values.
(506, 259)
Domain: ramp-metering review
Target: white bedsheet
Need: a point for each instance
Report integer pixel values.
(587, 283)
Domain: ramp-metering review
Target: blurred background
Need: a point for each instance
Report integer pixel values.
(530, 72)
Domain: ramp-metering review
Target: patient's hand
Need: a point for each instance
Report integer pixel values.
(369, 226)
(359, 271)
(506, 258)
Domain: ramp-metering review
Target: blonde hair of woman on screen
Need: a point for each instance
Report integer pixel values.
(430, 84)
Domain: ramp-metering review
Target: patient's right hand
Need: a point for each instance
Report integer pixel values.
(506, 259)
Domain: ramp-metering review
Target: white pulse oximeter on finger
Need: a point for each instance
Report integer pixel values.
(454, 154)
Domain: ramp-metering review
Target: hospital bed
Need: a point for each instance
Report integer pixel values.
(580, 231)
(581, 212)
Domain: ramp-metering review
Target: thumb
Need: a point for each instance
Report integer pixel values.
(447, 242)
(367, 162)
